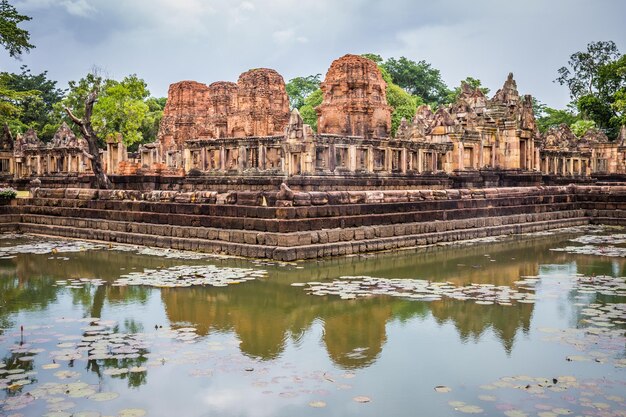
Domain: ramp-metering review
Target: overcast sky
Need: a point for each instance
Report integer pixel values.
(165, 41)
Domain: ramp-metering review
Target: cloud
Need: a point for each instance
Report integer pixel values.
(164, 41)
(78, 8)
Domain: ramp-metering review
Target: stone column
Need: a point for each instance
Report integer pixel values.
(352, 158)
(403, 161)
(419, 168)
(186, 160)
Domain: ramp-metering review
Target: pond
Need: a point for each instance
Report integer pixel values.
(530, 325)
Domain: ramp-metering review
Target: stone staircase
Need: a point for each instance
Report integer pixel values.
(314, 231)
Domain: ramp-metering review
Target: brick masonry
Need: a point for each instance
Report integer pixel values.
(310, 224)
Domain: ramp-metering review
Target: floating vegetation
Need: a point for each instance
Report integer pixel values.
(187, 276)
(353, 287)
(612, 251)
(49, 246)
(597, 244)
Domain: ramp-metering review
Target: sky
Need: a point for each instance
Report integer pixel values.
(166, 41)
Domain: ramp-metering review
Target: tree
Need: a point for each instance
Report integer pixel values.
(12, 38)
(36, 109)
(547, 117)
(581, 77)
(596, 79)
(93, 142)
(123, 107)
(403, 104)
(374, 57)
(11, 101)
(418, 79)
(475, 83)
(299, 88)
(307, 111)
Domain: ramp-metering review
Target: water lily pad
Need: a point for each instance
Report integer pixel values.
(362, 399)
(515, 413)
(470, 409)
(87, 414)
(132, 412)
(317, 404)
(442, 389)
(57, 414)
(103, 396)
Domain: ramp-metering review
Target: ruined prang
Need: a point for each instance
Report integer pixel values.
(355, 100)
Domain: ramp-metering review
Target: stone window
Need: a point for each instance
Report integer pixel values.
(428, 162)
(396, 160)
(214, 159)
(253, 158)
(321, 158)
(273, 158)
(341, 158)
(379, 159)
(601, 165)
(362, 159)
(196, 160)
(5, 165)
(232, 159)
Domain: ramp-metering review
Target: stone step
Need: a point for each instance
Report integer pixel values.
(311, 251)
(296, 225)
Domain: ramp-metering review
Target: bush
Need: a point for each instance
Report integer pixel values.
(7, 193)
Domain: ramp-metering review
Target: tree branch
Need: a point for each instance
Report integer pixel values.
(75, 119)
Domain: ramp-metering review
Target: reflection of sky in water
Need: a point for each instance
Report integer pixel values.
(268, 349)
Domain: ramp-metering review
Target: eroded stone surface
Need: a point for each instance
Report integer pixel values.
(355, 99)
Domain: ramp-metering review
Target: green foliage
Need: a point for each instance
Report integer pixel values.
(547, 117)
(374, 57)
(581, 127)
(299, 88)
(418, 79)
(475, 83)
(594, 108)
(7, 193)
(123, 107)
(403, 104)
(581, 77)
(36, 108)
(307, 111)
(554, 118)
(11, 103)
(12, 38)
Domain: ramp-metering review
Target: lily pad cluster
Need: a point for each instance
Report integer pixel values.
(187, 276)
(48, 247)
(597, 244)
(554, 396)
(612, 251)
(353, 287)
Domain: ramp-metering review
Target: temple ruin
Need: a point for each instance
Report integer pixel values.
(246, 130)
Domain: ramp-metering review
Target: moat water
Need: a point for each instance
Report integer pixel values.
(509, 327)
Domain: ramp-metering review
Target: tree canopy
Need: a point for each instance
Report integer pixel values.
(596, 79)
(13, 38)
(35, 107)
(299, 88)
(122, 107)
(418, 79)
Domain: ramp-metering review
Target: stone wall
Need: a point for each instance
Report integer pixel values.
(315, 224)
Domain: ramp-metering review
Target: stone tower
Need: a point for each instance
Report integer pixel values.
(355, 100)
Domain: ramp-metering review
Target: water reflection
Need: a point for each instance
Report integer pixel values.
(267, 314)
